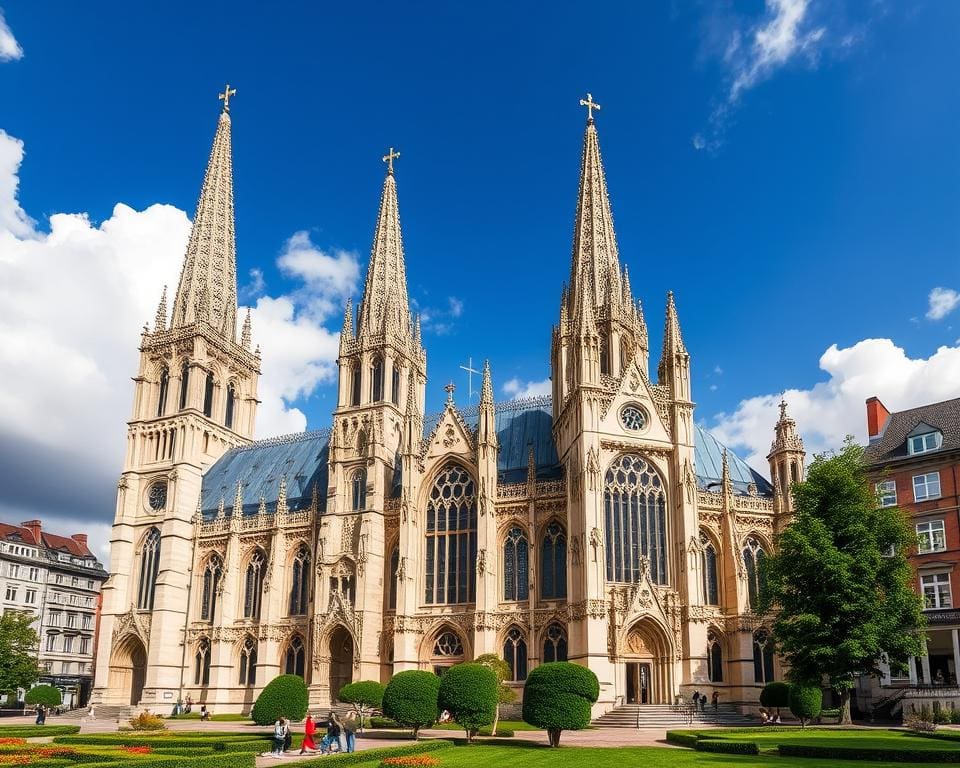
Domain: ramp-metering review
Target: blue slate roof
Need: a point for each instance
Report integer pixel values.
(520, 423)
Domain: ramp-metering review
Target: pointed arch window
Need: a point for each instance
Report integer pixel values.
(394, 576)
(515, 654)
(604, 356)
(164, 388)
(358, 491)
(300, 581)
(248, 662)
(208, 396)
(708, 566)
(762, 657)
(376, 389)
(636, 526)
(149, 568)
(355, 385)
(295, 656)
(553, 563)
(253, 585)
(451, 538)
(555, 644)
(231, 401)
(184, 384)
(212, 574)
(714, 657)
(201, 663)
(515, 565)
(753, 556)
(395, 387)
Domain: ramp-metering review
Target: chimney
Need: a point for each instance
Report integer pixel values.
(877, 415)
(80, 538)
(34, 526)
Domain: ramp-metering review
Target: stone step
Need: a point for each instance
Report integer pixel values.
(667, 716)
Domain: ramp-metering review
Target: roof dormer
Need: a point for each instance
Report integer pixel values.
(924, 439)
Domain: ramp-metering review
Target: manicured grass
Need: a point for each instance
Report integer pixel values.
(508, 725)
(225, 718)
(769, 738)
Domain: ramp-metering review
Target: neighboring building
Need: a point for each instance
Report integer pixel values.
(913, 458)
(57, 580)
(600, 524)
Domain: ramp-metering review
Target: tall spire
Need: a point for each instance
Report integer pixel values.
(486, 388)
(209, 274)
(672, 338)
(385, 305)
(160, 323)
(246, 335)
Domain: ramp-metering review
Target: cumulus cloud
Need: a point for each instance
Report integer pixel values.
(517, 388)
(439, 320)
(10, 49)
(834, 408)
(942, 301)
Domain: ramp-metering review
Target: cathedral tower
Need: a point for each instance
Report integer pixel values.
(786, 458)
(195, 397)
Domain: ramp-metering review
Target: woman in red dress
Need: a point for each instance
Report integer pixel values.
(309, 728)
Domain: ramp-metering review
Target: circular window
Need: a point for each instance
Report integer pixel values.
(157, 496)
(633, 417)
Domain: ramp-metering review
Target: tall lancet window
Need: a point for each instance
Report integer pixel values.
(300, 581)
(358, 491)
(714, 657)
(635, 516)
(762, 657)
(295, 656)
(253, 585)
(395, 387)
(184, 384)
(394, 576)
(355, 376)
(753, 555)
(201, 663)
(149, 568)
(451, 546)
(376, 389)
(231, 404)
(208, 396)
(711, 586)
(164, 388)
(604, 355)
(555, 644)
(248, 662)
(515, 654)
(553, 563)
(211, 587)
(515, 565)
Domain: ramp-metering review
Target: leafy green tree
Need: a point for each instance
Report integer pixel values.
(775, 695)
(284, 696)
(558, 696)
(469, 693)
(806, 701)
(501, 670)
(365, 694)
(411, 699)
(839, 584)
(47, 695)
(18, 652)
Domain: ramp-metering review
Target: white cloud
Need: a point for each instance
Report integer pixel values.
(718, 370)
(328, 278)
(10, 49)
(942, 301)
(456, 306)
(440, 321)
(834, 408)
(517, 388)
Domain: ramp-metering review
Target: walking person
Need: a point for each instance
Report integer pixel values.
(335, 730)
(309, 729)
(716, 700)
(39, 720)
(279, 736)
(350, 729)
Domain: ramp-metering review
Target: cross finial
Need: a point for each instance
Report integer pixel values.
(783, 405)
(591, 105)
(449, 389)
(225, 97)
(389, 158)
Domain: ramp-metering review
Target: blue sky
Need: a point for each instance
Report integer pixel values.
(789, 169)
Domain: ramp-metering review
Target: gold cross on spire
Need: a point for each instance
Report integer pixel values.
(591, 105)
(389, 158)
(225, 97)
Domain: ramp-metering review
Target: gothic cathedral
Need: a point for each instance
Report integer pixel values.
(599, 525)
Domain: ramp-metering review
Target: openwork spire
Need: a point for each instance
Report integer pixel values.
(486, 388)
(160, 322)
(208, 281)
(672, 338)
(246, 335)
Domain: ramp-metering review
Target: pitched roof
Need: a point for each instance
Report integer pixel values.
(8, 531)
(892, 442)
(74, 547)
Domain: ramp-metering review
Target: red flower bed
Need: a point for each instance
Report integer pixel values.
(9, 741)
(142, 750)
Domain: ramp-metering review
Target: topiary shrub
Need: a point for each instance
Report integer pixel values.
(284, 696)
(365, 694)
(775, 696)
(410, 699)
(147, 721)
(469, 692)
(557, 696)
(47, 695)
(805, 702)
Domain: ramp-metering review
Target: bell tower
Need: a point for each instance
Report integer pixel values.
(787, 456)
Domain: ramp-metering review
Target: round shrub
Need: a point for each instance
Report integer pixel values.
(284, 696)
(364, 695)
(775, 695)
(557, 696)
(47, 695)
(469, 692)
(806, 701)
(410, 699)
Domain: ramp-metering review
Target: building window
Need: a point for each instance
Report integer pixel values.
(87, 621)
(55, 618)
(149, 568)
(931, 537)
(58, 579)
(515, 563)
(394, 576)
(248, 662)
(553, 563)
(231, 399)
(201, 663)
(931, 441)
(447, 645)
(14, 571)
(753, 556)
(376, 389)
(208, 396)
(936, 591)
(355, 386)
(68, 644)
(164, 386)
(253, 585)
(926, 486)
(635, 511)
(211, 587)
(71, 621)
(358, 491)
(887, 493)
(515, 654)
(184, 384)
(395, 387)
(300, 581)
(34, 574)
(52, 641)
(295, 656)
(84, 645)
(711, 585)
(555, 644)
(762, 657)
(451, 546)
(11, 592)
(714, 657)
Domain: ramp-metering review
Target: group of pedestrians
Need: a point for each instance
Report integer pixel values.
(338, 730)
(700, 700)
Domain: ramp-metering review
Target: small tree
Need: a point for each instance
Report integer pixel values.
(410, 699)
(806, 701)
(18, 645)
(284, 696)
(558, 697)
(775, 696)
(47, 695)
(501, 670)
(363, 694)
(469, 693)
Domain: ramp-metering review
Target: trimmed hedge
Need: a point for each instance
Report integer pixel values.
(410, 699)
(469, 692)
(47, 695)
(805, 702)
(367, 693)
(683, 738)
(372, 755)
(557, 696)
(727, 747)
(904, 755)
(284, 696)
(31, 731)
(382, 722)
(775, 695)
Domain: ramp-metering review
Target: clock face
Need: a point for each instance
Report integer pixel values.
(633, 417)
(157, 496)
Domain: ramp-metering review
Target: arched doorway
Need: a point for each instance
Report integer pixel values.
(647, 657)
(341, 660)
(128, 669)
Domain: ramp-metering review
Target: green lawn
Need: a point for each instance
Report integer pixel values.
(509, 725)
(769, 738)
